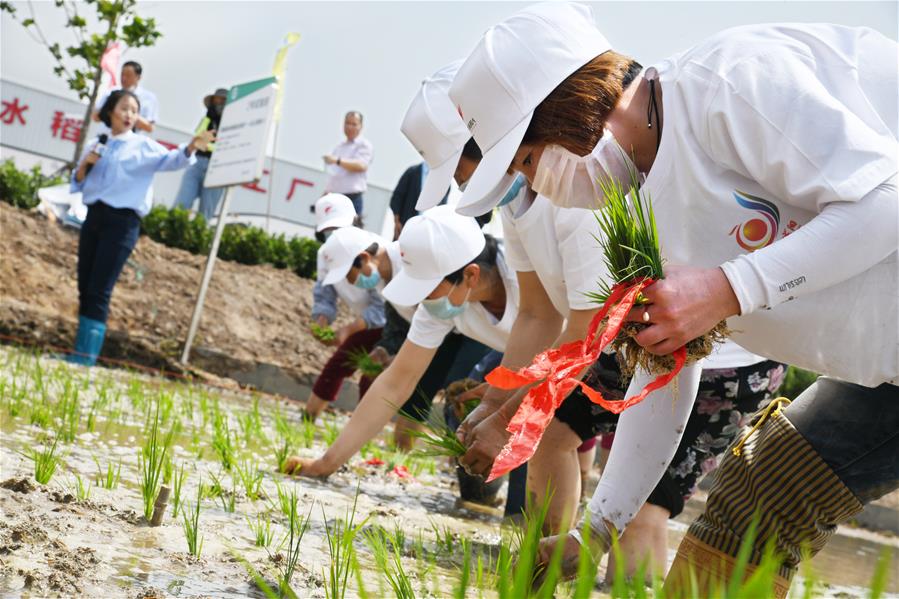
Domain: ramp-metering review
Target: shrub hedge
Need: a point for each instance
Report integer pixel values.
(19, 188)
(240, 243)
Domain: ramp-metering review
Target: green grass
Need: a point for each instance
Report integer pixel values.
(45, 461)
(261, 528)
(629, 241)
(360, 360)
(191, 524)
(177, 488)
(340, 536)
(297, 525)
(325, 333)
(151, 460)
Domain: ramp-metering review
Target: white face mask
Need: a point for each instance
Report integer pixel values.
(572, 181)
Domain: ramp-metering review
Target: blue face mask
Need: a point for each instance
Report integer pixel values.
(365, 281)
(517, 184)
(443, 308)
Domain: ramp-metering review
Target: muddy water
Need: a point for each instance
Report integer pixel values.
(53, 544)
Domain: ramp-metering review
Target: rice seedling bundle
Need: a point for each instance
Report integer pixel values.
(360, 360)
(325, 333)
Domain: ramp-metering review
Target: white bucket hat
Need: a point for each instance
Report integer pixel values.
(333, 210)
(514, 67)
(433, 244)
(433, 126)
(342, 247)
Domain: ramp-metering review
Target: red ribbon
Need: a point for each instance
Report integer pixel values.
(555, 370)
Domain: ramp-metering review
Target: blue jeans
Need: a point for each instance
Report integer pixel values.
(107, 238)
(192, 186)
(356, 199)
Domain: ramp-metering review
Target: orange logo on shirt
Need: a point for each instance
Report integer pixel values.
(760, 231)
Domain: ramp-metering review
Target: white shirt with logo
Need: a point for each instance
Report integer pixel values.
(558, 244)
(777, 140)
(475, 322)
(765, 127)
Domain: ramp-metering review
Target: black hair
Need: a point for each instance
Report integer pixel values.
(633, 69)
(354, 113)
(486, 259)
(472, 151)
(370, 250)
(138, 70)
(111, 101)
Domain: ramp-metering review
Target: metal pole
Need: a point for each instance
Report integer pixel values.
(207, 275)
(271, 179)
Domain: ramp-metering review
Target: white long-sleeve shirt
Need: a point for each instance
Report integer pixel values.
(777, 162)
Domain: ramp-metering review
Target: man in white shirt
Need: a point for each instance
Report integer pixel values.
(348, 164)
(149, 105)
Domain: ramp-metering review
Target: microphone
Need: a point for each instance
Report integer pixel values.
(98, 149)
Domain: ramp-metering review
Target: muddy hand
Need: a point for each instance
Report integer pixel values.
(570, 558)
(484, 443)
(688, 303)
(305, 467)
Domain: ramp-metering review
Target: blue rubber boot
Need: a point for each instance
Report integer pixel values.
(88, 341)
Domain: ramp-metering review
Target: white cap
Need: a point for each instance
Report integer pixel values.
(433, 244)
(333, 210)
(514, 67)
(433, 126)
(341, 248)
(437, 132)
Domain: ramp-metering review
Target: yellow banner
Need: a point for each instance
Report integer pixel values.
(279, 67)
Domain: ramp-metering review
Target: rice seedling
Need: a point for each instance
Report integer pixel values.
(261, 528)
(340, 537)
(151, 460)
(446, 538)
(223, 441)
(631, 251)
(464, 572)
(308, 433)
(250, 423)
(177, 486)
(437, 438)
(68, 411)
(321, 333)
(45, 461)
(297, 526)
(214, 490)
(108, 479)
(331, 430)
(390, 564)
(251, 479)
(882, 573)
(228, 499)
(282, 452)
(41, 414)
(191, 524)
(82, 488)
(360, 360)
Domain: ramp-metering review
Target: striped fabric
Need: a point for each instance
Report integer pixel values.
(781, 479)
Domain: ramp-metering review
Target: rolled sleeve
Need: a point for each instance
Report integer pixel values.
(324, 301)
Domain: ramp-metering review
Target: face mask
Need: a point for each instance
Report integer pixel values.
(572, 181)
(513, 191)
(443, 308)
(364, 281)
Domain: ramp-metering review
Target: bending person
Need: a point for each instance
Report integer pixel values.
(759, 209)
(460, 279)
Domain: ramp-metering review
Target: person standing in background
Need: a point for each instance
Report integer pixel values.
(348, 163)
(192, 182)
(149, 105)
(114, 178)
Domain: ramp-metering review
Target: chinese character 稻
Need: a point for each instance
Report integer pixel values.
(66, 127)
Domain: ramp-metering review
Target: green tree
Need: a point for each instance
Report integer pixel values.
(79, 63)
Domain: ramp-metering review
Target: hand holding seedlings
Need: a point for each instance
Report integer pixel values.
(688, 303)
(484, 442)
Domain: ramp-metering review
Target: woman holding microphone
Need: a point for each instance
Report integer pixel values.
(113, 179)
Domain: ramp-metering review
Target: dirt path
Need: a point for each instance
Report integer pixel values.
(252, 313)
